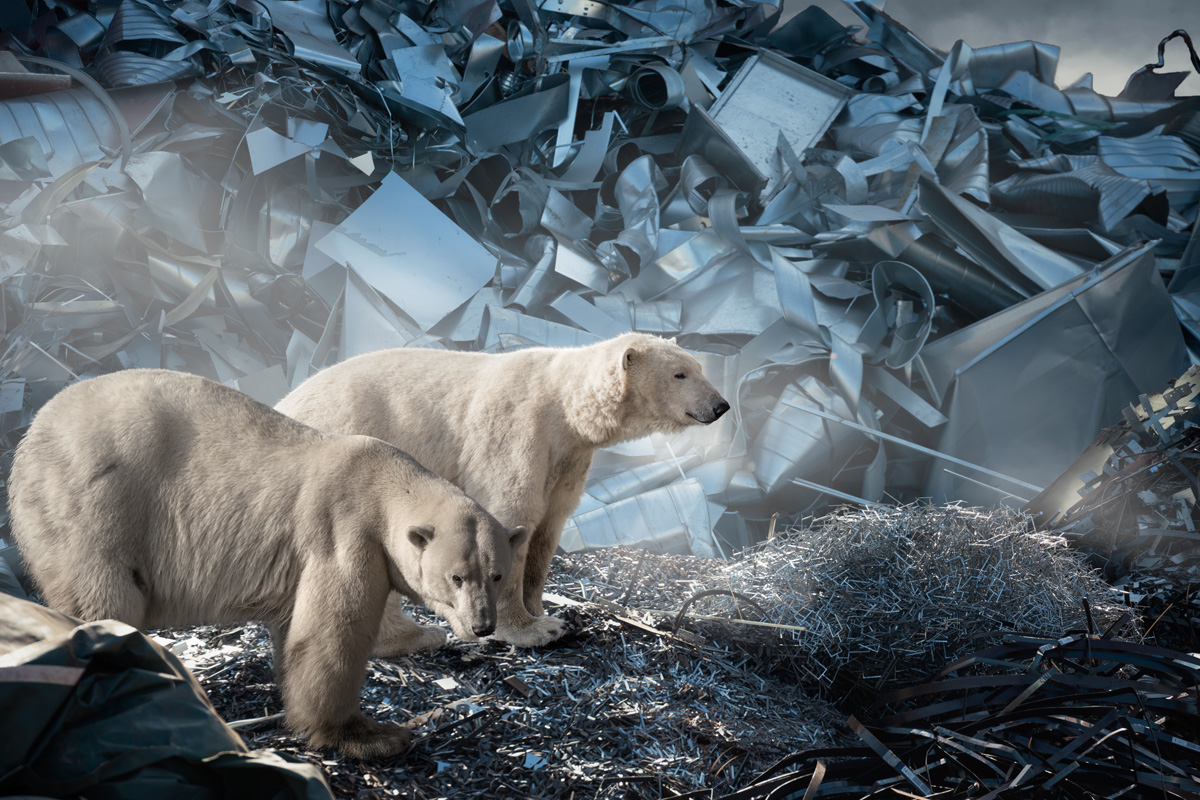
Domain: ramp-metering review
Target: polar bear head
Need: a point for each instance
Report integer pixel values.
(463, 556)
(649, 385)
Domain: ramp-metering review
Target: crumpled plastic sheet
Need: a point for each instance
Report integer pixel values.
(912, 273)
(98, 709)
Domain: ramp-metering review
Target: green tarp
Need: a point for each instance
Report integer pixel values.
(100, 710)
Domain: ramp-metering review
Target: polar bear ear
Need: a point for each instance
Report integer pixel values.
(420, 537)
(672, 340)
(517, 535)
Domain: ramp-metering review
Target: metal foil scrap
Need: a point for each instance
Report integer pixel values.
(909, 271)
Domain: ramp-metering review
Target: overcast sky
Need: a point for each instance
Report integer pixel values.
(1109, 38)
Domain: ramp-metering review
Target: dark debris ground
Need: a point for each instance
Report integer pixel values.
(620, 709)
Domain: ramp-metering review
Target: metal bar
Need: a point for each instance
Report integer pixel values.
(1003, 494)
(919, 448)
(833, 492)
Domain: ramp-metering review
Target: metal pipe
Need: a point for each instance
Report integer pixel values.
(919, 448)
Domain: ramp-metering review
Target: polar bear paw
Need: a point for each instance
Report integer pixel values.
(360, 737)
(404, 640)
(533, 632)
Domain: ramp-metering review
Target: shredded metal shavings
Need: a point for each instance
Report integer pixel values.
(874, 597)
(622, 711)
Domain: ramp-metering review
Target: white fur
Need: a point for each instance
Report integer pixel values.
(161, 499)
(516, 431)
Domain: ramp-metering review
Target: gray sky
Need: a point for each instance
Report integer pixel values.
(1109, 38)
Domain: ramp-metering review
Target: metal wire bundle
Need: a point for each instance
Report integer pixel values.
(882, 595)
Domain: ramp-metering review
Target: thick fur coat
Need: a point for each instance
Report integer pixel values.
(162, 499)
(516, 431)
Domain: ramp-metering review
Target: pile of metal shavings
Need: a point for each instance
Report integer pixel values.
(869, 599)
(1130, 504)
(865, 240)
(1083, 716)
(622, 710)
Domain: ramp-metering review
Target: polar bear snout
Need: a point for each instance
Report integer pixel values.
(713, 413)
(477, 614)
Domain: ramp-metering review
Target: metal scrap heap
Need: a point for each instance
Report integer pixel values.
(1129, 503)
(902, 266)
(913, 274)
(885, 596)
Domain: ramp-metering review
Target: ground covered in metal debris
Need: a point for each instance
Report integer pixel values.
(619, 710)
(689, 674)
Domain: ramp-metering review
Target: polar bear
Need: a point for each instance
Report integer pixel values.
(162, 499)
(516, 431)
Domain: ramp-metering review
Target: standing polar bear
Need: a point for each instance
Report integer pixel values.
(161, 499)
(516, 431)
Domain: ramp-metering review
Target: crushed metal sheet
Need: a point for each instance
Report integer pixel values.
(1003, 368)
(398, 224)
(771, 97)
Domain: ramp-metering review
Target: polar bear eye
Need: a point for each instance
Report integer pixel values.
(457, 580)
(680, 375)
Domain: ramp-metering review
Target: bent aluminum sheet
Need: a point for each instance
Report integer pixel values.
(771, 97)
(410, 252)
(1029, 387)
(306, 25)
(72, 127)
(673, 519)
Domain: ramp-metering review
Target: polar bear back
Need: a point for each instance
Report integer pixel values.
(502, 424)
(438, 405)
(176, 477)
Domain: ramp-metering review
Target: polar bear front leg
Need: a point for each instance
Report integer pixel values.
(545, 535)
(542, 545)
(400, 635)
(334, 624)
(514, 623)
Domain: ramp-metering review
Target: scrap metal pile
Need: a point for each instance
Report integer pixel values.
(856, 232)
(884, 596)
(1137, 516)
(1080, 717)
(623, 711)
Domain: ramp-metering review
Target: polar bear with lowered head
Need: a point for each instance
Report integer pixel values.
(163, 499)
(516, 431)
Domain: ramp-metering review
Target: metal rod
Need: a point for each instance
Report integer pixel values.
(919, 448)
(1003, 494)
(833, 492)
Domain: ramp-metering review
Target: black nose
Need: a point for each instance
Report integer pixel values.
(483, 630)
(719, 409)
